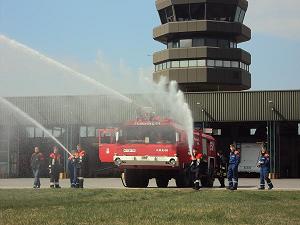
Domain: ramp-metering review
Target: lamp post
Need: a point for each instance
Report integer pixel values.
(203, 111)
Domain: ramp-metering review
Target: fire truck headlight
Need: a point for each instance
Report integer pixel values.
(118, 161)
(172, 162)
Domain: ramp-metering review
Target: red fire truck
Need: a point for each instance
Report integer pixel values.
(150, 147)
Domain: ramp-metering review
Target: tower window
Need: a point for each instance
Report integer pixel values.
(235, 64)
(166, 15)
(197, 42)
(210, 63)
(197, 11)
(222, 12)
(219, 63)
(202, 62)
(184, 63)
(186, 43)
(182, 12)
(239, 15)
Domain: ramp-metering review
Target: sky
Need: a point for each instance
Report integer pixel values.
(111, 41)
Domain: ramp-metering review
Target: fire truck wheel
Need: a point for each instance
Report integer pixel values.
(162, 182)
(130, 178)
(143, 182)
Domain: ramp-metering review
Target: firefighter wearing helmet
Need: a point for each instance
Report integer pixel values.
(78, 161)
(264, 165)
(234, 161)
(55, 166)
(196, 168)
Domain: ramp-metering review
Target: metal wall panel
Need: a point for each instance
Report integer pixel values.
(217, 107)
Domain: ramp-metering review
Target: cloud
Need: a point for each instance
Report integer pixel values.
(276, 18)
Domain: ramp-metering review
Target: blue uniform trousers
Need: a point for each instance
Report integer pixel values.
(232, 175)
(264, 176)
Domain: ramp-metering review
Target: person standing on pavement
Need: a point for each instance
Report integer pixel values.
(71, 168)
(264, 165)
(78, 161)
(36, 161)
(196, 168)
(234, 161)
(221, 168)
(55, 166)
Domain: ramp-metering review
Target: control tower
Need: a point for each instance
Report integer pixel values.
(202, 40)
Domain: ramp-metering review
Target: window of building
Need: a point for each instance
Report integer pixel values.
(211, 42)
(169, 14)
(235, 64)
(222, 12)
(201, 63)
(3, 156)
(57, 132)
(192, 63)
(219, 63)
(159, 66)
(197, 11)
(184, 63)
(233, 45)
(83, 131)
(91, 132)
(30, 132)
(223, 43)
(185, 43)
(162, 16)
(48, 133)
(237, 14)
(168, 64)
(175, 64)
(182, 12)
(226, 64)
(166, 15)
(242, 16)
(198, 42)
(298, 128)
(39, 132)
(210, 62)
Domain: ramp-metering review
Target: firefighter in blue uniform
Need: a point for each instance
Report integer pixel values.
(264, 165)
(234, 161)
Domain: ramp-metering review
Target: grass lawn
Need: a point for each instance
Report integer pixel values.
(151, 206)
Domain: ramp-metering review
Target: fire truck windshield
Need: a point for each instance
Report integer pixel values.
(149, 135)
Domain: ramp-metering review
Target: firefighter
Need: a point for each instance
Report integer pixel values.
(264, 165)
(197, 159)
(55, 166)
(78, 161)
(71, 169)
(234, 161)
(36, 161)
(222, 168)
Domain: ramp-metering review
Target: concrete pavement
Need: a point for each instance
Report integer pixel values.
(115, 183)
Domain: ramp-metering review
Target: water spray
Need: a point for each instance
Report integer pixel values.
(17, 45)
(30, 119)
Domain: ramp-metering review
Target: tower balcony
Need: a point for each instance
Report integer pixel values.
(237, 32)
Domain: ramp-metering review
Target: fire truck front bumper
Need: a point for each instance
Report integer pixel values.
(146, 161)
